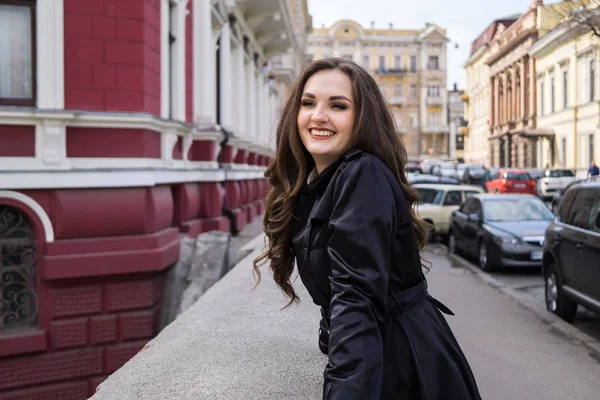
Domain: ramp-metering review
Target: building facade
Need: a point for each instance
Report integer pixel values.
(123, 126)
(476, 127)
(567, 64)
(516, 140)
(456, 119)
(410, 68)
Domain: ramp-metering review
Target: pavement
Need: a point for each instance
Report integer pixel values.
(237, 343)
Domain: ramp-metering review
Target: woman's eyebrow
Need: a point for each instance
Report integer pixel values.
(312, 96)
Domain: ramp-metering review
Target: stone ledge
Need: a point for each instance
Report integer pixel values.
(233, 343)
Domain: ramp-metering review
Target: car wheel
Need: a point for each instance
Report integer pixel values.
(484, 260)
(430, 233)
(556, 301)
(497, 191)
(452, 244)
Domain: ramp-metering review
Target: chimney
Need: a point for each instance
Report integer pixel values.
(391, 26)
(372, 24)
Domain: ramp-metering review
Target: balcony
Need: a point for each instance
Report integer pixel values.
(397, 100)
(434, 129)
(434, 101)
(391, 71)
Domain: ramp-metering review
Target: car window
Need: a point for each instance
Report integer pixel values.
(453, 198)
(495, 175)
(469, 193)
(430, 196)
(565, 206)
(517, 176)
(467, 206)
(476, 209)
(516, 209)
(559, 173)
(580, 211)
(593, 212)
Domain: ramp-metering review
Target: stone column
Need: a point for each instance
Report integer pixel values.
(250, 128)
(204, 51)
(531, 109)
(226, 94)
(240, 85)
(522, 91)
(515, 95)
(358, 53)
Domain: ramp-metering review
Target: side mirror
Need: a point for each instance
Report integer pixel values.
(597, 222)
(473, 217)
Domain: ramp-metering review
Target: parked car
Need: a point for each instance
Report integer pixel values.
(572, 253)
(535, 173)
(554, 180)
(428, 165)
(413, 166)
(559, 194)
(510, 181)
(413, 179)
(447, 169)
(436, 203)
(504, 230)
(471, 173)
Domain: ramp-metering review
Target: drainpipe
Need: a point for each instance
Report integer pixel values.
(576, 110)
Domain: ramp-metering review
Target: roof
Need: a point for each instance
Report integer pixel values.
(488, 34)
(504, 196)
(447, 187)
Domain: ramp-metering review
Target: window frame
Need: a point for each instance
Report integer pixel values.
(31, 102)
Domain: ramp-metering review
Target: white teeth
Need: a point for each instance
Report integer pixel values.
(321, 133)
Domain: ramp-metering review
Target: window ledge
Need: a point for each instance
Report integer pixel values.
(22, 341)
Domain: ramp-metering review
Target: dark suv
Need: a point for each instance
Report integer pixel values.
(571, 263)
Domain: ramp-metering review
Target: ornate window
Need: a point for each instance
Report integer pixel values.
(18, 260)
(17, 52)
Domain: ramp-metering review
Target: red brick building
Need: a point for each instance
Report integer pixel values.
(124, 124)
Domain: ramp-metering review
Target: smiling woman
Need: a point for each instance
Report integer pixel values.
(341, 209)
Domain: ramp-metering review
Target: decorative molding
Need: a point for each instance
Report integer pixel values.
(106, 179)
(50, 59)
(35, 207)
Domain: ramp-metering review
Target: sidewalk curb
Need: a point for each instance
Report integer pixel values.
(525, 301)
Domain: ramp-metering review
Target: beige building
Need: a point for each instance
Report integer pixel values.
(476, 129)
(410, 68)
(568, 98)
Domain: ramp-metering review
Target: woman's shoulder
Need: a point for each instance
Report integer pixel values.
(363, 163)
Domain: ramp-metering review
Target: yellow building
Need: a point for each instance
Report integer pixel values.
(568, 94)
(410, 68)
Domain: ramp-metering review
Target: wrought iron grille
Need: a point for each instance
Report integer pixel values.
(18, 260)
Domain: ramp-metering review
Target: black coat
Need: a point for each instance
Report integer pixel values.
(357, 255)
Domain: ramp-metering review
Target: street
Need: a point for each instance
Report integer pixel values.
(514, 353)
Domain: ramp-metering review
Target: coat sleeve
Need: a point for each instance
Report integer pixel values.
(363, 222)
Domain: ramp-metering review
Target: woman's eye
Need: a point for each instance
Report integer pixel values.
(339, 106)
(307, 103)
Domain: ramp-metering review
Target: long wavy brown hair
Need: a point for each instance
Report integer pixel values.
(374, 132)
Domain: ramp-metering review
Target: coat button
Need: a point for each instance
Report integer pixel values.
(305, 253)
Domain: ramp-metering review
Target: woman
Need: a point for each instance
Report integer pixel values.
(341, 207)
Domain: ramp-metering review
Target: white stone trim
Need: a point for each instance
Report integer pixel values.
(165, 60)
(115, 163)
(203, 58)
(105, 179)
(50, 59)
(240, 175)
(35, 207)
(225, 79)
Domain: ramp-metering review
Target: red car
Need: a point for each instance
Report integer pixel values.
(510, 181)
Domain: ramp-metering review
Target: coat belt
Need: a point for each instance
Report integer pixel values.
(402, 300)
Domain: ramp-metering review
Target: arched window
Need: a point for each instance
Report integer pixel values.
(18, 261)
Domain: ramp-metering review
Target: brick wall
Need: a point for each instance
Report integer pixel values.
(112, 55)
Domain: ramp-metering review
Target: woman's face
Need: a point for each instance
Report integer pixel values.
(326, 116)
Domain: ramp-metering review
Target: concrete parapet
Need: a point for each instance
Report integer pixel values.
(233, 343)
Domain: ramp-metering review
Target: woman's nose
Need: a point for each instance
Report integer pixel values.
(319, 116)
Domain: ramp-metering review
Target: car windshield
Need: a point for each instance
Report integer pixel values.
(515, 209)
(517, 176)
(559, 173)
(430, 196)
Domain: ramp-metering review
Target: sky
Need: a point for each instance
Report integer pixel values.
(463, 20)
